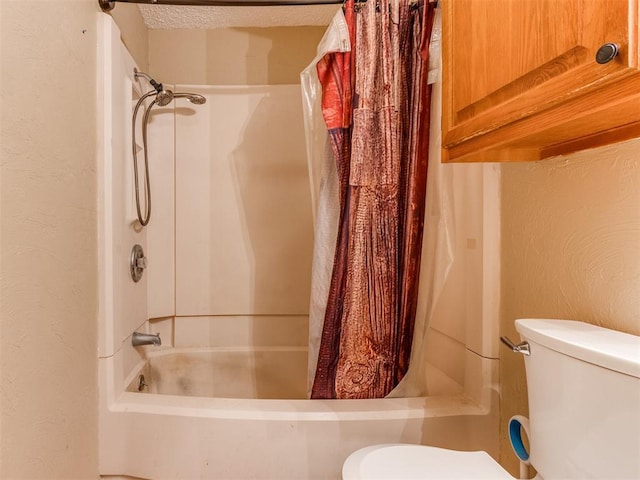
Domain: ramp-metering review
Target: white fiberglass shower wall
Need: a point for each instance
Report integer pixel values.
(243, 222)
(233, 234)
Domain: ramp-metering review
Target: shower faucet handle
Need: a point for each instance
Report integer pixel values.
(522, 348)
(137, 263)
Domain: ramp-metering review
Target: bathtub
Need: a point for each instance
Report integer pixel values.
(212, 413)
(226, 372)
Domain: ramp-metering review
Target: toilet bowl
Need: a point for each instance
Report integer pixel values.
(576, 372)
(413, 462)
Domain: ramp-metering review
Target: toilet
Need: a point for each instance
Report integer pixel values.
(584, 404)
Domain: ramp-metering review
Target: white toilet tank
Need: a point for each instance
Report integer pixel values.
(584, 400)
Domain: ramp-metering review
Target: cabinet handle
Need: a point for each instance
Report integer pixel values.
(606, 53)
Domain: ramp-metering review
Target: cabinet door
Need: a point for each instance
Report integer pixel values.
(507, 61)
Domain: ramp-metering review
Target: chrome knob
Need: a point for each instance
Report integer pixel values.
(606, 53)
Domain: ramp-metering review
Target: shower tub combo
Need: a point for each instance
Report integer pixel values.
(225, 397)
(233, 412)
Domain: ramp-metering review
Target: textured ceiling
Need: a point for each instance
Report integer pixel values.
(168, 17)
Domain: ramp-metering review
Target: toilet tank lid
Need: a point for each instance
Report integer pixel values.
(610, 349)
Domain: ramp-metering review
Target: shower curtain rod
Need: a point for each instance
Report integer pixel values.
(108, 5)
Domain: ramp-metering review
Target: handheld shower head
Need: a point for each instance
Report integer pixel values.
(191, 97)
(164, 97)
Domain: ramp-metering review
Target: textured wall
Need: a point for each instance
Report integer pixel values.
(571, 249)
(232, 56)
(48, 304)
(164, 17)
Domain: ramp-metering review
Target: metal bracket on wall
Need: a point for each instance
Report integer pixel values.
(106, 5)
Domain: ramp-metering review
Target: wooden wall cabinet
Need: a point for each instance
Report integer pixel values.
(520, 79)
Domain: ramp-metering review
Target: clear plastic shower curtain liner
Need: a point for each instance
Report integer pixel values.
(438, 239)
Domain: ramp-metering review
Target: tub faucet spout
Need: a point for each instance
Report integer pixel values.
(145, 339)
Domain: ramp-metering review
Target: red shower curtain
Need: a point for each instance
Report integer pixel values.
(376, 106)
